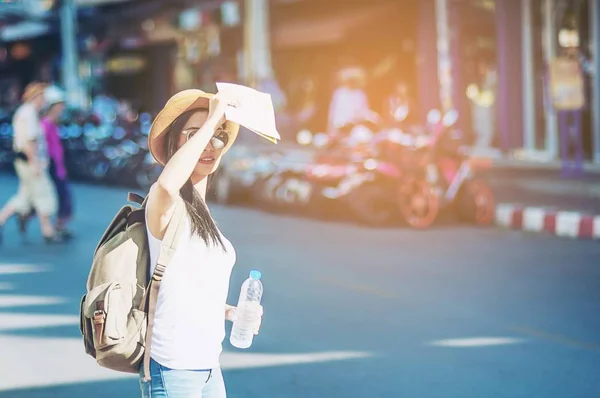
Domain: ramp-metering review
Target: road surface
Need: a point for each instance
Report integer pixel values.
(349, 311)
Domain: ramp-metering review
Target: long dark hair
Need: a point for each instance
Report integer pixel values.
(201, 221)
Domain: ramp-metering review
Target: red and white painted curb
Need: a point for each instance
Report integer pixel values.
(569, 224)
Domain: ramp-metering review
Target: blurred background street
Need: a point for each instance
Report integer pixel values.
(428, 226)
(349, 311)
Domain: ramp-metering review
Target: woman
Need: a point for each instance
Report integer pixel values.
(55, 101)
(188, 137)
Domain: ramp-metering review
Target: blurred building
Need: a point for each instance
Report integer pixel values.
(493, 65)
(312, 40)
(154, 48)
(25, 51)
(141, 51)
(487, 58)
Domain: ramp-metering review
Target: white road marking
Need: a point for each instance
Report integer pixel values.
(235, 360)
(10, 321)
(11, 268)
(476, 342)
(20, 301)
(18, 371)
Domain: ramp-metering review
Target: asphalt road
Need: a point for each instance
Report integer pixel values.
(349, 311)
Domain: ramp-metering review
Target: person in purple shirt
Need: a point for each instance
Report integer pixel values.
(55, 100)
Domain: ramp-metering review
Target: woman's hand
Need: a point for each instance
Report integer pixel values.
(230, 315)
(164, 194)
(217, 107)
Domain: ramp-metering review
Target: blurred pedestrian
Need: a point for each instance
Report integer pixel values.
(36, 190)
(400, 98)
(56, 102)
(349, 103)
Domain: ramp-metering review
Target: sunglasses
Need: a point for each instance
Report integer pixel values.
(218, 141)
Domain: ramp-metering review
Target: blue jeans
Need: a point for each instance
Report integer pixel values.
(174, 383)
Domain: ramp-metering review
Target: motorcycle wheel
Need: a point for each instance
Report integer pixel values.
(418, 203)
(370, 204)
(476, 202)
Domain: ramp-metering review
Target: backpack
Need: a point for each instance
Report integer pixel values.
(117, 312)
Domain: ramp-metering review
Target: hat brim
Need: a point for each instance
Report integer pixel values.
(180, 103)
(50, 104)
(33, 93)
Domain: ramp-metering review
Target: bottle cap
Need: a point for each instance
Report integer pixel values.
(254, 274)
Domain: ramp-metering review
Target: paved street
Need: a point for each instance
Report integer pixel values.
(349, 311)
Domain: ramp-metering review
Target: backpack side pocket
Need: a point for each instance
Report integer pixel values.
(85, 327)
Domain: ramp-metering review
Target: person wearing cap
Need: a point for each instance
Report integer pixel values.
(36, 190)
(189, 137)
(55, 100)
(349, 102)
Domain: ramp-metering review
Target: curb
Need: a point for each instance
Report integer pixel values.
(568, 224)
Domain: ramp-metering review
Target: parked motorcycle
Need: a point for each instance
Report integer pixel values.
(413, 172)
(344, 178)
(282, 188)
(441, 176)
(239, 174)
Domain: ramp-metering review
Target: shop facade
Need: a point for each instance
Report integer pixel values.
(312, 41)
(153, 53)
(496, 63)
(553, 30)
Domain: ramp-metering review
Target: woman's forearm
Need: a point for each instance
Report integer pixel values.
(180, 167)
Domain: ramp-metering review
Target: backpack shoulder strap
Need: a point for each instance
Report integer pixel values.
(170, 240)
(136, 198)
(167, 249)
(137, 215)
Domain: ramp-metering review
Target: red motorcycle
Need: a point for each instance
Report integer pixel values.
(346, 178)
(438, 174)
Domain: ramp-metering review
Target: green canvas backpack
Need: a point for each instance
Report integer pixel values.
(117, 312)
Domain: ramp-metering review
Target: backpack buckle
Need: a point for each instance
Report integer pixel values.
(99, 319)
(99, 316)
(159, 272)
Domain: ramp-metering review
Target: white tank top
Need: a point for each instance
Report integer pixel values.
(189, 325)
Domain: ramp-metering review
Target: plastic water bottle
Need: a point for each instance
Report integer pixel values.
(242, 332)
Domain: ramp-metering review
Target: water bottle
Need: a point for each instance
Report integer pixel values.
(248, 308)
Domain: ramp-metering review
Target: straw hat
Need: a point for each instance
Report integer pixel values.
(181, 102)
(33, 90)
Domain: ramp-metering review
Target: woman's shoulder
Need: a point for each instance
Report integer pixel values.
(152, 194)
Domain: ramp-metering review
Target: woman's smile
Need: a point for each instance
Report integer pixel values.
(207, 159)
